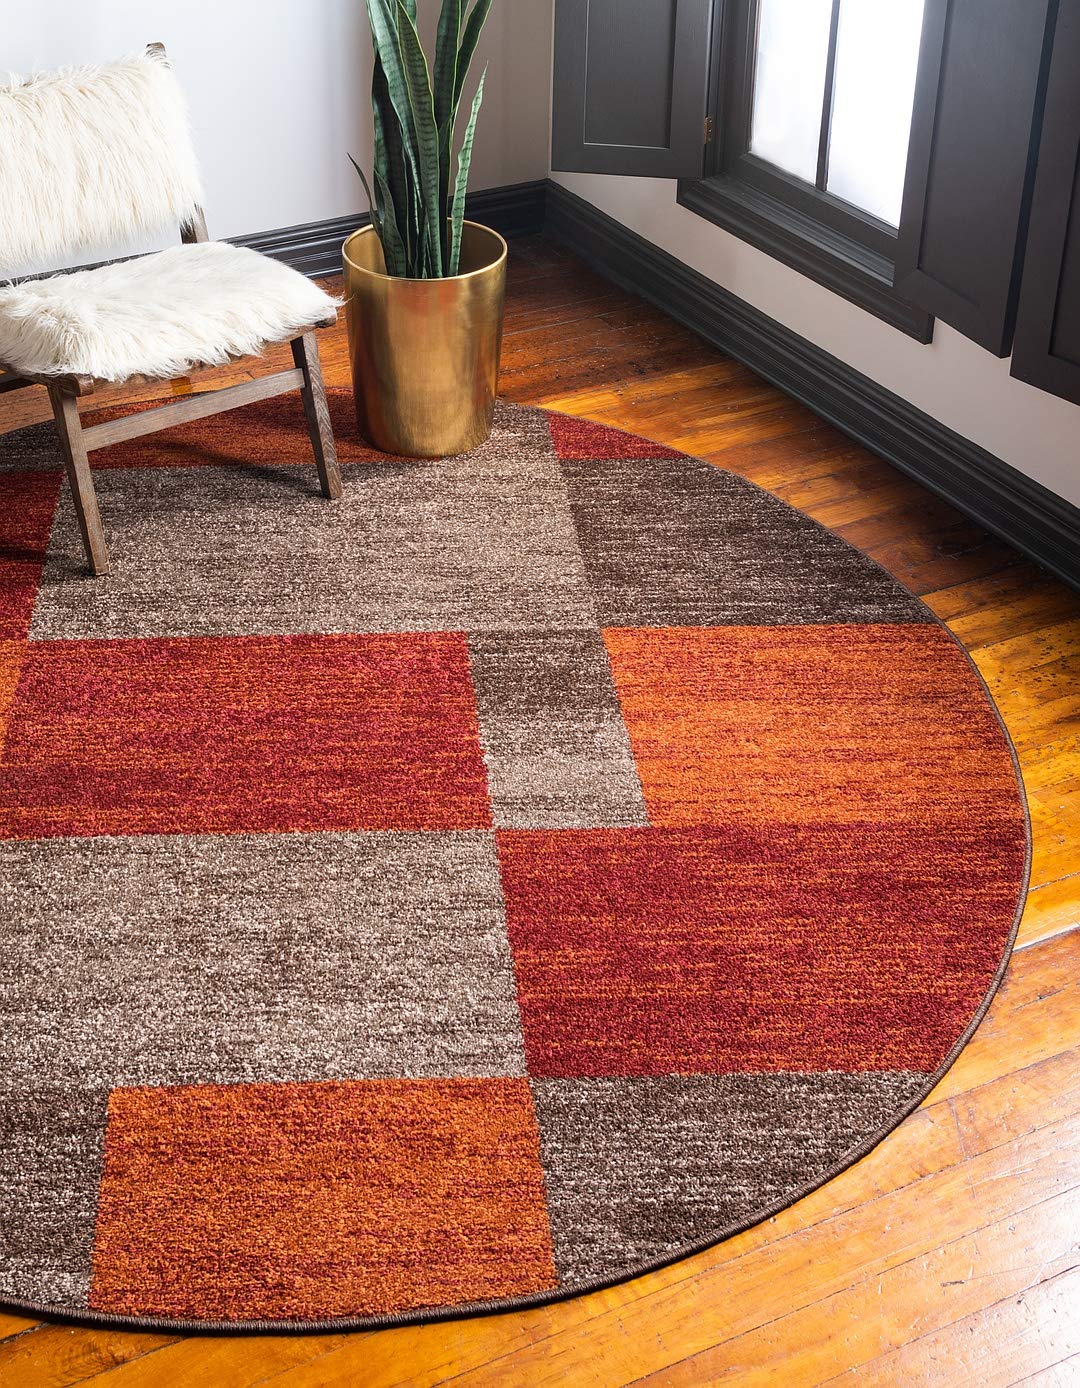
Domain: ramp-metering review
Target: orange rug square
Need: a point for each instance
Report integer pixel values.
(809, 724)
(315, 1200)
(11, 655)
(233, 734)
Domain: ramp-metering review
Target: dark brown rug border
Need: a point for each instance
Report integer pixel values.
(470, 1310)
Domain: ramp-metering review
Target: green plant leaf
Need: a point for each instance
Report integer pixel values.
(446, 60)
(391, 159)
(384, 33)
(388, 19)
(376, 215)
(393, 247)
(464, 160)
(446, 159)
(445, 80)
(470, 37)
(422, 107)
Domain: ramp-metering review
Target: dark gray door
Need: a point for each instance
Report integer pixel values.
(631, 86)
(1046, 351)
(971, 162)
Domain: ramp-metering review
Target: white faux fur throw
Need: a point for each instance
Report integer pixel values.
(156, 316)
(92, 158)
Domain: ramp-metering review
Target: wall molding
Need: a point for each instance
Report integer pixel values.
(1006, 502)
(314, 248)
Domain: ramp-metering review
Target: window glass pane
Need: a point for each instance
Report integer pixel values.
(877, 49)
(789, 83)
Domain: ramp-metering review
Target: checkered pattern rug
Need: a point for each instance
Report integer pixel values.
(524, 871)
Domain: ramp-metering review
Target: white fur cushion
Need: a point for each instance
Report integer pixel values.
(91, 158)
(157, 316)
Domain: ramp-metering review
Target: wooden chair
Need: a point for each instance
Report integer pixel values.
(66, 388)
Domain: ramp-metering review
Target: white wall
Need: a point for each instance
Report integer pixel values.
(951, 379)
(279, 92)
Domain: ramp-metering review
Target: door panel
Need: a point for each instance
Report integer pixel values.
(631, 86)
(971, 159)
(1046, 352)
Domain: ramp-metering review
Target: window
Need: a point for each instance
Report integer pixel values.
(813, 117)
(791, 65)
(832, 91)
(866, 137)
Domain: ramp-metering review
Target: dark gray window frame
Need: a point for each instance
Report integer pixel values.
(819, 235)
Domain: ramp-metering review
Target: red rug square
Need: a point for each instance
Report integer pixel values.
(272, 734)
(695, 951)
(809, 725)
(268, 433)
(581, 438)
(314, 1200)
(26, 517)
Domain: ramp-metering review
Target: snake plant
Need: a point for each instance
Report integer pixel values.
(417, 207)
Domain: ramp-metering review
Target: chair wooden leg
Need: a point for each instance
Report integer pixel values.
(305, 352)
(69, 428)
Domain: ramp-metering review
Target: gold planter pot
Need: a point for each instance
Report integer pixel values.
(425, 353)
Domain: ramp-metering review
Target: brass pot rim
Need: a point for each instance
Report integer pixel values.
(500, 259)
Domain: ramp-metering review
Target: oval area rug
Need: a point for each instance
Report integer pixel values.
(526, 871)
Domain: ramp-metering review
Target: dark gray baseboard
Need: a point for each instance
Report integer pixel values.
(314, 248)
(1019, 510)
(517, 209)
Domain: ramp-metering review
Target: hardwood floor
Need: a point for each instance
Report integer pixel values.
(949, 1255)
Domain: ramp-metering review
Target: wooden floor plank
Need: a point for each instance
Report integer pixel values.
(1036, 1326)
(1050, 910)
(53, 1356)
(1012, 603)
(210, 1361)
(1065, 1374)
(12, 1325)
(1055, 824)
(910, 1266)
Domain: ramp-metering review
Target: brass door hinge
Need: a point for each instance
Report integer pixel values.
(709, 127)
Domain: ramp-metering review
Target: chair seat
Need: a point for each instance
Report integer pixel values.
(157, 316)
